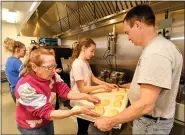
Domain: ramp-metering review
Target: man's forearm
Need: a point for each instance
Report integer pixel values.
(131, 113)
(144, 105)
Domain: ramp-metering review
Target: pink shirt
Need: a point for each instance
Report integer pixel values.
(36, 99)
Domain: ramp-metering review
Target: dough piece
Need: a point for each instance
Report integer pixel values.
(117, 103)
(99, 109)
(119, 97)
(105, 102)
(99, 104)
(112, 112)
(122, 90)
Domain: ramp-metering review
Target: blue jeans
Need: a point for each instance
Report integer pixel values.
(13, 96)
(145, 125)
(12, 92)
(47, 129)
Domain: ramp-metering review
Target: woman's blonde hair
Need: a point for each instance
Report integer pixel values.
(86, 42)
(34, 56)
(11, 45)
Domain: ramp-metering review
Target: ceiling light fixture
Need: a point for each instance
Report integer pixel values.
(9, 15)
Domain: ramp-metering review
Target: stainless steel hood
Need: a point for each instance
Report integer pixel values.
(47, 20)
(64, 19)
(58, 18)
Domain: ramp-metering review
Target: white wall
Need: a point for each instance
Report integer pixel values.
(9, 30)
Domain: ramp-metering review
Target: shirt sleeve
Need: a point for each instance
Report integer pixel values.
(62, 88)
(77, 71)
(18, 65)
(155, 70)
(35, 103)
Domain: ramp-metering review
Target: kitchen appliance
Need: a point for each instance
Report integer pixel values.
(104, 74)
(117, 77)
(112, 77)
(48, 41)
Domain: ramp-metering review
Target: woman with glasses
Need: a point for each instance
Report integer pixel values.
(36, 94)
(13, 64)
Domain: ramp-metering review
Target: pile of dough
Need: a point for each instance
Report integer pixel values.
(105, 102)
(119, 97)
(99, 109)
(117, 103)
(112, 112)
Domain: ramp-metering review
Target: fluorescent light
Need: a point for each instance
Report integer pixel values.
(177, 38)
(32, 6)
(4, 13)
(9, 16)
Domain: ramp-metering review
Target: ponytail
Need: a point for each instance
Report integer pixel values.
(76, 53)
(86, 42)
(11, 45)
(27, 65)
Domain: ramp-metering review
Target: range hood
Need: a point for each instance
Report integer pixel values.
(63, 19)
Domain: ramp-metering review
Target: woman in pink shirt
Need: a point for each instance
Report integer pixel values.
(36, 94)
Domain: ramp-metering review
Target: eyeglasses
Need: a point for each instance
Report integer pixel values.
(50, 67)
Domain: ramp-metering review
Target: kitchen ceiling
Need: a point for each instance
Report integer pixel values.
(17, 6)
(24, 10)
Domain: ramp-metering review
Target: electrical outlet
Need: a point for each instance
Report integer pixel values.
(159, 32)
(167, 33)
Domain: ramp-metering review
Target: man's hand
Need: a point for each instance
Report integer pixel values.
(104, 124)
(127, 85)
